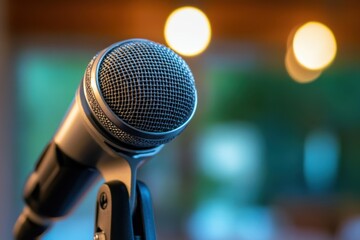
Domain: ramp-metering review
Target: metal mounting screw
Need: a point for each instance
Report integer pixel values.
(99, 236)
(103, 200)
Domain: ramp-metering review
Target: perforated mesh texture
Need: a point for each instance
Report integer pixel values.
(120, 134)
(148, 86)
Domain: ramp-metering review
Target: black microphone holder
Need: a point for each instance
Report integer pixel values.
(114, 218)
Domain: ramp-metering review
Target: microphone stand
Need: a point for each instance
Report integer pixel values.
(114, 220)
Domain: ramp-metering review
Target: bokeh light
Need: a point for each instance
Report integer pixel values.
(298, 72)
(321, 160)
(314, 45)
(188, 31)
(232, 154)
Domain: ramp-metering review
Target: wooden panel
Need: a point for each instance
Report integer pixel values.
(253, 21)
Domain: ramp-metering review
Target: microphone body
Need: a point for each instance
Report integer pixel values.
(135, 96)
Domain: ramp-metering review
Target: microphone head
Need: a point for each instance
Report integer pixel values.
(140, 92)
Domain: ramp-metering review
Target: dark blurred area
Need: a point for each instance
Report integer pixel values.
(265, 158)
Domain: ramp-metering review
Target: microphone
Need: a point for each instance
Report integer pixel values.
(135, 96)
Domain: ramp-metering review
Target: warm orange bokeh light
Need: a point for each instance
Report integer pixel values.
(314, 46)
(188, 31)
(298, 72)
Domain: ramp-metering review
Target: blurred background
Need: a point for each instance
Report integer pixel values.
(269, 155)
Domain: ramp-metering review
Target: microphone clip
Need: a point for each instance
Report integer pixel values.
(114, 218)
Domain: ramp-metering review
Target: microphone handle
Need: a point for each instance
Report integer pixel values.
(52, 190)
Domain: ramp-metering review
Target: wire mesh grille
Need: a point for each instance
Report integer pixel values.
(148, 86)
(109, 125)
